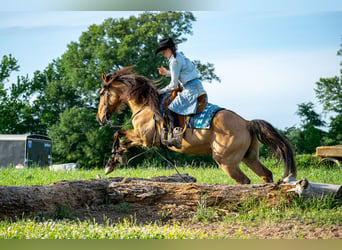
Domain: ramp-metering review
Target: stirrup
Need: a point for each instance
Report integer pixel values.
(177, 136)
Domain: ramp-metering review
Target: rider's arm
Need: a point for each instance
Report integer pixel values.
(174, 72)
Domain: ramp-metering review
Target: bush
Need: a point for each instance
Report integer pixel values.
(306, 161)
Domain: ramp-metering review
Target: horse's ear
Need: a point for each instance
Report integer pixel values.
(104, 77)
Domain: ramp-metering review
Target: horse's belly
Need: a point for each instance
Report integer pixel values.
(196, 142)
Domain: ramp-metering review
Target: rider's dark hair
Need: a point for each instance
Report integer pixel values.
(173, 50)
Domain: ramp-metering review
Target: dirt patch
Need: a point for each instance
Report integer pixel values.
(143, 214)
(284, 230)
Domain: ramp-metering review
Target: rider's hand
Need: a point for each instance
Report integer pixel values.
(162, 71)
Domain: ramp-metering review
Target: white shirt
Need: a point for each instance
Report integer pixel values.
(181, 70)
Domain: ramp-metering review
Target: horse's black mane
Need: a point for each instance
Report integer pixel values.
(141, 88)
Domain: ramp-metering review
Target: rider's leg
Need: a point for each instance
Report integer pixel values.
(173, 119)
(173, 139)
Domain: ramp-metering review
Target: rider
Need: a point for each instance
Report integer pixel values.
(183, 72)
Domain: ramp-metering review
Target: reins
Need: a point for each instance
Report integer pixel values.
(162, 156)
(129, 121)
(170, 163)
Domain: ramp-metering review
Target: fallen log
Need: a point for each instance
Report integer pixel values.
(158, 192)
(74, 194)
(315, 190)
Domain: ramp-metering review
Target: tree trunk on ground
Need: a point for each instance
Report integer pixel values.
(158, 192)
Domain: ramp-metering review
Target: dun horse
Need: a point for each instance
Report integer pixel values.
(230, 139)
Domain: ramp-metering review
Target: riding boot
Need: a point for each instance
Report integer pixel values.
(177, 137)
(174, 136)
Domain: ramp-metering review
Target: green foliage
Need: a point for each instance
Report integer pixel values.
(78, 138)
(306, 161)
(334, 136)
(329, 93)
(309, 139)
(204, 213)
(309, 117)
(123, 207)
(62, 212)
(17, 114)
(309, 136)
(62, 100)
(7, 66)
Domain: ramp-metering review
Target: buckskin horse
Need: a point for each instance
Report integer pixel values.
(230, 138)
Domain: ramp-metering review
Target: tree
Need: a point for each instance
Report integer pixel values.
(69, 101)
(309, 117)
(8, 65)
(62, 100)
(77, 138)
(16, 111)
(329, 93)
(309, 136)
(334, 135)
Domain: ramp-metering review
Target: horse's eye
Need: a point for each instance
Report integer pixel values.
(102, 92)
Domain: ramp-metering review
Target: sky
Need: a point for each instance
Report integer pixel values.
(268, 59)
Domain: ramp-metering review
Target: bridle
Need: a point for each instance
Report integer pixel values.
(105, 87)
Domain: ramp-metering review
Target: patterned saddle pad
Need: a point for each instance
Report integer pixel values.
(204, 119)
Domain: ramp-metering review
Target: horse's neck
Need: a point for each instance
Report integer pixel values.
(135, 108)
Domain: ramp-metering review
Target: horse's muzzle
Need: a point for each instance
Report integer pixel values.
(102, 120)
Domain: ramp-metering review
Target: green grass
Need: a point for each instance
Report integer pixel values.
(320, 212)
(203, 174)
(66, 229)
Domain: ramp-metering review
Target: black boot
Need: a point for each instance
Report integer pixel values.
(174, 135)
(172, 118)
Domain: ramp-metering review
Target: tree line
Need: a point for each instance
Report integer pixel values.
(313, 130)
(61, 100)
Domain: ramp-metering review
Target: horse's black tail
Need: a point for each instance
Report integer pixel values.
(271, 138)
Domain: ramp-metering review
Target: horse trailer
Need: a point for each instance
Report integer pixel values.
(25, 150)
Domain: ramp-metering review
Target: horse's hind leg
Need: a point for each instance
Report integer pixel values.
(230, 165)
(234, 171)
(252, 161)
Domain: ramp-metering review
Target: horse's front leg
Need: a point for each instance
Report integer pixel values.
(118, 156)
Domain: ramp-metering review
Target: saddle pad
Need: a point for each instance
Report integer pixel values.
(203, 120)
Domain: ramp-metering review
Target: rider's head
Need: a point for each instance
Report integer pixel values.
(167, 46)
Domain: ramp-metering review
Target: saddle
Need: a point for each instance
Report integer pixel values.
(183, 119)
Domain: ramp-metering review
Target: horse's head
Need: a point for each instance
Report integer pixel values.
(124, 86)
(110, 99)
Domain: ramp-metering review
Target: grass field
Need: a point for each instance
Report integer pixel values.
(307, 168)
(248, 220)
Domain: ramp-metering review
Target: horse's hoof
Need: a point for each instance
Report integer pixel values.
(109, 169)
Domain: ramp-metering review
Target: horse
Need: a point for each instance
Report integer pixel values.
(230, 139)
